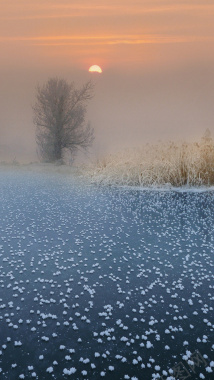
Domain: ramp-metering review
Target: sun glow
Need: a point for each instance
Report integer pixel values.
(95, 69)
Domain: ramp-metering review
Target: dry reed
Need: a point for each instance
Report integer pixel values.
(175, 164)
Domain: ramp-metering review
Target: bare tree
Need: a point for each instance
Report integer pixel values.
(59, 117)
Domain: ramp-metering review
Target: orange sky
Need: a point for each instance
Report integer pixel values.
(112, 32)
(157, 51)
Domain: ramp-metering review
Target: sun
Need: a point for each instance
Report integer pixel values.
(95, 69)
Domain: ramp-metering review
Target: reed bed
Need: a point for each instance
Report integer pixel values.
(174, 164)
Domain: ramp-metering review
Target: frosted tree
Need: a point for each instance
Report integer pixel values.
(59, 117)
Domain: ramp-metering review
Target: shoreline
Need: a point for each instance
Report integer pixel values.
(79, 171)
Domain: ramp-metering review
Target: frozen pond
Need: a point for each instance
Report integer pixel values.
(104, 282)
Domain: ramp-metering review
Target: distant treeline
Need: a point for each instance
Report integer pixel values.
(176, 164)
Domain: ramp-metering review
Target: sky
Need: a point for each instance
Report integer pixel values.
(157, 58)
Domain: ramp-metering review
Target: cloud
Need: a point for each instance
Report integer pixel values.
(130, 39)
(54, 10)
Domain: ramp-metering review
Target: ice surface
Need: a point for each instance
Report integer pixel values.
(103, 282)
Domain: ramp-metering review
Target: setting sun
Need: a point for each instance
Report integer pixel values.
(95, 69)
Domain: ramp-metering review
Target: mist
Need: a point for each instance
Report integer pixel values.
(130, 107)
